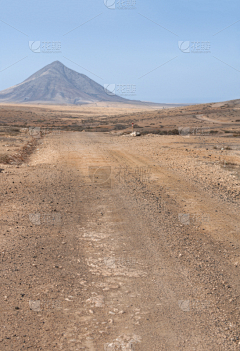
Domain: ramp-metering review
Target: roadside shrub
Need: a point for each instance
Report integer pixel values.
(120, 127)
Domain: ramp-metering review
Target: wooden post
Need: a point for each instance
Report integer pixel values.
(132, 127)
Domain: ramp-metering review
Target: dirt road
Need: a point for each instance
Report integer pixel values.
(117, 243)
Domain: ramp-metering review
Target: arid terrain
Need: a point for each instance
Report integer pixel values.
(117, 243)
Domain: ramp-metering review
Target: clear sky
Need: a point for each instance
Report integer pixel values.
(129, 42)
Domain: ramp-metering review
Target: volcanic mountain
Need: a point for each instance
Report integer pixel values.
(57, 84)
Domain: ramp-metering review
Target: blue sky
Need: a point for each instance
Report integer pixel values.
(136, 43)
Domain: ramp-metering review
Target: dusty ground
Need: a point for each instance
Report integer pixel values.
(68, 116)
(116, 243)
(206, 118)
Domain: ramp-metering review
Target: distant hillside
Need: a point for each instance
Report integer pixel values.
(57, 84)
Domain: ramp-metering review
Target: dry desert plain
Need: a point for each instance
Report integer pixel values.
(116, 243)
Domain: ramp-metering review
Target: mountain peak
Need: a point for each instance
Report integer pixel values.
(55, 64)
(58, 84)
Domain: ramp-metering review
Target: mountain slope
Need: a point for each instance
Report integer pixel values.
(57, 84)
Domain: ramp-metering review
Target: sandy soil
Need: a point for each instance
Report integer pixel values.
(114, 117)
(116, 243)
